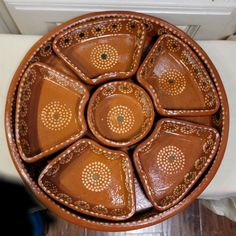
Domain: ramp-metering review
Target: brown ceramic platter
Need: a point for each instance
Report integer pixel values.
(93, 180)
(173, 158)
(50, 54)
(45, 121)
(172, 73)
(114, 48)
(120, 113)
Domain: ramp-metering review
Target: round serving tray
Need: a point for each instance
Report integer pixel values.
(217, 116)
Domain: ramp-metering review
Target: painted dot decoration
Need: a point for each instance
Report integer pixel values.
(46, 50)
(162, 31)
(172, 82)
(56, 116)
(100, 209)
(82, 204)
(187, 130)
(189, 177)
(23, 109)
(170, 159)
(148, 25)
(81, 35)
(66, 41)
(96, 176)
(210, 100)
(125, 88)
(186, 58)
(204, 84)
(120, 119)
(173, 46)
(131, 26)
(26, 93)
(114, 27)
(104, 56)
(31, 77)
(98, 30)
(23, 128)
(108, 90)
(25, 146)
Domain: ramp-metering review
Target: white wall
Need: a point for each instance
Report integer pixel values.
(202, 19)
(7, 24)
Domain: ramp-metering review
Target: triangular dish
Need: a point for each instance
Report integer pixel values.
(173, 158)
(177, 80)
(92, 180)
(46, 55)
(102, 50)
(49, 112)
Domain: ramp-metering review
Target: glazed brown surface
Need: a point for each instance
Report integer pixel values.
(116, 54)
(172, 74)
(44, 52)
(93, 180)
(171, 160)
(45, 121)
(120, 114)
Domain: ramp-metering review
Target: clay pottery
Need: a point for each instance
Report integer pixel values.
(173, 74)
(120, 113)
(49, 112)
(91, 179)
(173, 158)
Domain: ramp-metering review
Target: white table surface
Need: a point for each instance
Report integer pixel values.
(223, 55)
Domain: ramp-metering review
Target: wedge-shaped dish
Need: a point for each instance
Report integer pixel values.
(49, 112)
(102, 50)
(177, 80)
(92, 180)
(173, 158)
(46, 55)
(120, 113)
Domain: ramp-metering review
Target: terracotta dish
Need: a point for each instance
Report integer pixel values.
(93, 180)
(172, 159)
(89, 120)
(114, 49)
(45, 121)
(172, 73)
(120, 113)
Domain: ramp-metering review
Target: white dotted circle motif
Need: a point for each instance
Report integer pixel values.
(172, 82)
(120, 119)
(56, 116)
(104, 56)
(170, 159)
(96, 176)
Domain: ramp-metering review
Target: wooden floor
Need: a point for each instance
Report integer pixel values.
(197, 220)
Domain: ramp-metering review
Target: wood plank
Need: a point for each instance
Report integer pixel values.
(213, 224)
(187, 223)
(196, 220)
(61, 227)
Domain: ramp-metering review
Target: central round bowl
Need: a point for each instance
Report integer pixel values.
(120, 113)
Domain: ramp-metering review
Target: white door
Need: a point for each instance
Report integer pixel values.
(202, 19)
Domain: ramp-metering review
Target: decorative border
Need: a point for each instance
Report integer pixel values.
(147, 65)
(95, 99)
(140, 36)
(66, 157)
(75, 86)
(199, 166)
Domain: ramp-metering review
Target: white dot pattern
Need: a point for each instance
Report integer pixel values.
(170, 159)
(56, 116)
(96, 176)
(104, 56)
(120, 119)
